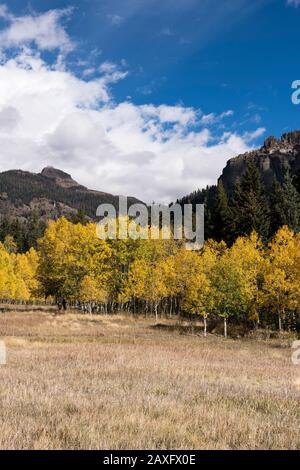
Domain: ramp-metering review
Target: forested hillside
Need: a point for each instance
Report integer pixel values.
(257, 191)
(29, 200)
(20, 188)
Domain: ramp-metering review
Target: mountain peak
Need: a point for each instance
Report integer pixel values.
(50, 194)
(60, 177)
(287, 143)
(291, 138)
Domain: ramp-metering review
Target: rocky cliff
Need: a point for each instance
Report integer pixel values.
(271, 160)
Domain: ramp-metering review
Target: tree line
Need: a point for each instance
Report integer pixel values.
(248, 282)
(227, 217)
(249, 208)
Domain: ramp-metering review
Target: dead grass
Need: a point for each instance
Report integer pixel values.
(98, 382)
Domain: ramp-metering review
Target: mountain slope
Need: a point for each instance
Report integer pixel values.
(51, 193)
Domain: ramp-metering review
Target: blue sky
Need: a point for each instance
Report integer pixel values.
(231, 62)
(201, 53)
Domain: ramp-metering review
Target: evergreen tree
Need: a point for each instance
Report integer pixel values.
(249, 205)
(4, 228)
(296, 181)
(285, 204)
(221, 215)
(17, 230)
(35, 230)
(276, 216)
(25, 233)
(80, 217)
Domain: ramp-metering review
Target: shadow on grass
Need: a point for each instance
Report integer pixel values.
(179, 328)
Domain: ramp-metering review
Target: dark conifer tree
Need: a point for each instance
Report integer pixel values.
(285, 204)
(17, 231)
(296, 181)
(221, 215)
(80, 217)
(249, 205)
(276, 216)
(34, 230)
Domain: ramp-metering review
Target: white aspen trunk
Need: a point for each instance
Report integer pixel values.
(279, 322)
(205, 327)
(171, 306)
(225, 327)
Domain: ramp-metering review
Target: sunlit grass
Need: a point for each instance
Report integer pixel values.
(100, 382)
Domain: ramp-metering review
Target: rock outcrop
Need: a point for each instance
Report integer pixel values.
(60, 177)
(271, 160)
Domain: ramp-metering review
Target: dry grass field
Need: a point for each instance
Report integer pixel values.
(99, 382)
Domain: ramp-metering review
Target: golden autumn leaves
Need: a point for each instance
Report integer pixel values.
(158, 276)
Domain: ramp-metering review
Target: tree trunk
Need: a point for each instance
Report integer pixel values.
(171, 307)
(156, 314)
(279, 322)
(205, 327)
(225, 327)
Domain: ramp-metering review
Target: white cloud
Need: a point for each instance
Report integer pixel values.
(44, 31)
(111, 72)
(170, 114)
(153, 152)
(4, 12)
(156, 152)
(116, 20)
(166, 31)
(212, 118)
(250, 136)
(108, 67)
(9, 118)
(294, 3)
(89, 71)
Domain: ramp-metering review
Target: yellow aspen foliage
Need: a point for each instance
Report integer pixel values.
(281, 288)
(147, 281)
(155, 286)
(92, 291)
(198, 299)
(247, 281)
(137, 278)
(69, 252)
(10, 244)
(186, 265)
(25, 267)
(247, 256)
(228, 289)
(8, 281)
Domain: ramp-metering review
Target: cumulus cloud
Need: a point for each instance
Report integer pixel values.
(50, 116)
(153, 152)
(9, 118)
(45, 31)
